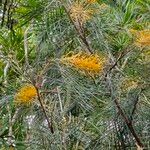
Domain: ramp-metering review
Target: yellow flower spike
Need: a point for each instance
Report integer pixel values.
(79, 13)
(26, 95)
(103, 6)
(91, 1)
(144, 56)
(89, 64)
(133, 31)
(129, 84)
(142, 37)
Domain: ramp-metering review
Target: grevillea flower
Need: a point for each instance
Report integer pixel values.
(91, 64)
(103, 6)
(91, 1)
(144, 57)
(79, 13)
(142, 37)
(129, 84)
(26, 95)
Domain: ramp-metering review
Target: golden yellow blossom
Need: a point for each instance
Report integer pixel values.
(91, 1)
(92, 64)
(26, 95)
(142, 37)
(103, 6)
(129, 83)
(144, 56)
(79, 13)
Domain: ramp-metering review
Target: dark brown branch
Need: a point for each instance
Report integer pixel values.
(129, 124)
(45, 114)
(124, 117)
(122, 54)
(135, 105)
(80, 34)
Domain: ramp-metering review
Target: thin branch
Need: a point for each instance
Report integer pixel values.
(80, 34)
(129, 124)
(44, 111)
(125, 118)
(12, 120)
(124, 63)
(26, 45)
(135, 105)
(122, 54)
(60, 101)
(10, 132)
(15, 116)
(6, 71)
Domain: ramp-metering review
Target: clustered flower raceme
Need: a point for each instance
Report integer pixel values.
(26, 95)
(142, 37)
(144, 56)
(129, 84)
(80, 12)
(91, 1)
(88, 63)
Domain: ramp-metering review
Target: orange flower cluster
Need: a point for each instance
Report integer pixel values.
(91, 1)
(91, 64)
(103, 6)
(80, 13)
(25, 95)
(142, 37)
(129, 84)
(144, 56)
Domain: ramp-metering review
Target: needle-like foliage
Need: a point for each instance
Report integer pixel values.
(74, 75)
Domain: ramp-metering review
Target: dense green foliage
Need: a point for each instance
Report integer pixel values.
(73, 109)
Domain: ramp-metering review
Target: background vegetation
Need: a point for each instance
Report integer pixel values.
(74, 74)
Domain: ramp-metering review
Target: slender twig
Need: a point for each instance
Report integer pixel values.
(80, 34)
(10, 132)
(122, 54)
(44, 111)
(64, 120)
(129, 124)
(135, 105)
(6, 71)
(12, 120)
(124, 63)
(60, 101)
(125, 118)
(8, 108)
(26, 45)
(15, 116)
(114, 65)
